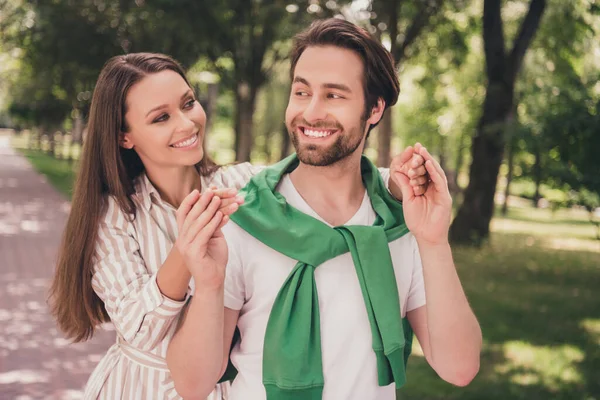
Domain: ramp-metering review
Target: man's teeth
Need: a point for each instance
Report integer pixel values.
(187, 142)
(313, 133)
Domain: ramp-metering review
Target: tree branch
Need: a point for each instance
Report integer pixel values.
(527, 31)
(416, 27)
(493, 40)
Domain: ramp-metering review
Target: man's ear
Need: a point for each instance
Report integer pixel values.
(125, 141)
(376, 112)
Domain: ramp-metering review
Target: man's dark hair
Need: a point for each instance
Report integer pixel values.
(379, 76)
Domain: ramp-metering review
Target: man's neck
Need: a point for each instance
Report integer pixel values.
(334, 192)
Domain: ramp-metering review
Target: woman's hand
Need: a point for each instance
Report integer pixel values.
(200, 218)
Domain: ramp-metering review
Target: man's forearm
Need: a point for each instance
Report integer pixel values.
(454, 333)
(195, 353)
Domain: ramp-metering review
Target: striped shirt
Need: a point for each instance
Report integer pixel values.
(128, 256)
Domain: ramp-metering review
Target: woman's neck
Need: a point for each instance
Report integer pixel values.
(174, 184)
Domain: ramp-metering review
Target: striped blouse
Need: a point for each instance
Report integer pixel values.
(128, 256)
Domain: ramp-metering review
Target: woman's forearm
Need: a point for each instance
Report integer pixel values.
(173, 277)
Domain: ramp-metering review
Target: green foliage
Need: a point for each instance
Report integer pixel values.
(560, 103)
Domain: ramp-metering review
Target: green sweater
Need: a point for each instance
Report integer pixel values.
(292, 366)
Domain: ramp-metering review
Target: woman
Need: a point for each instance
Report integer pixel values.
(142, 169)
(138, 220)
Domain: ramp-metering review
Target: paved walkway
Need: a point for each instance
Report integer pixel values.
(36, 362)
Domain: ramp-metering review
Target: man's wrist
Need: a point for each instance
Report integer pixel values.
(442, 244)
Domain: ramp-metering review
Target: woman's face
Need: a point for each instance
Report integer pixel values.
(165, 122)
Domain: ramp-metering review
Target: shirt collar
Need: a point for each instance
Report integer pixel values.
(148, 195)
(146, 192)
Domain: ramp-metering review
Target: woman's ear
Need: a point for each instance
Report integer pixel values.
(376, 112)
(125, 141)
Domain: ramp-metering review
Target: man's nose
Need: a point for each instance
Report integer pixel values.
(315, 111)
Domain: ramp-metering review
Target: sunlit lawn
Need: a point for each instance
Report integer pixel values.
(535, 288)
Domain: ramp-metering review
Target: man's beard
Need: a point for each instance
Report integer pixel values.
(323, 156)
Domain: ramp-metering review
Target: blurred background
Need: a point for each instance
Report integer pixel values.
(504, 93)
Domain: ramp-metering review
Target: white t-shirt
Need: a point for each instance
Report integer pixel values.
(255, 274)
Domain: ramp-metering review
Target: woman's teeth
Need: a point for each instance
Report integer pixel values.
(317, 134)
(187, 142)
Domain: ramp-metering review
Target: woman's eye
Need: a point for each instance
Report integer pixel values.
(161, 118)
(190, 103)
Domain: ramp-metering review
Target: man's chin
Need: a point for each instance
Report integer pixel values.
(310, 155)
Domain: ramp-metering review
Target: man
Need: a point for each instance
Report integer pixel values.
(324, 281)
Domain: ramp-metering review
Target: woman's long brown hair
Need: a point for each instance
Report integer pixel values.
(105, 169)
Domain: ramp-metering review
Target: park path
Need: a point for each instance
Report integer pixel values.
(36, 362)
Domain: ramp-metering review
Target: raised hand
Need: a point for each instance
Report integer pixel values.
(427, 216)
(412, 165)
(200, 241)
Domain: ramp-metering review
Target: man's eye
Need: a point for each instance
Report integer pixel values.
(161, 118)
(334, 96)
(301, 94)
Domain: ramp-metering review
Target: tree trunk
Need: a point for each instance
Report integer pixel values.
(510, 160)
(212, 95)
(384, 140)
(209, 103)
(245, 104)
(52, 142)
(76, 135)
(472, 221)
(459, 162)
(537, 176)
(591, 211)
(384, 134)
(40, 136)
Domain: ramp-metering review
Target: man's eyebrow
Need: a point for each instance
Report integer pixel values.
(186, 94)
(338, 86)
(299, 79)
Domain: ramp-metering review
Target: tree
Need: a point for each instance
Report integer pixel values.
(255, 35)
(405, 24)
(61, 46)
(557, 104)
(472, 221)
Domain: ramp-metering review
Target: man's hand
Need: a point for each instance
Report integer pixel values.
(428, 216)
(411, 164)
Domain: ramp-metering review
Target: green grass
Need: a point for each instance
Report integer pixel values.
(534, 288)
(60, 173)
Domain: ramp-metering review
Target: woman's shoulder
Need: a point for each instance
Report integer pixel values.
(234, 175)
(117, 213)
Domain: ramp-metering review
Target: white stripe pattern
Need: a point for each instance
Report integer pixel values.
(128, 256)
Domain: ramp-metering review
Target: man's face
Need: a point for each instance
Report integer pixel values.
(325, 114)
